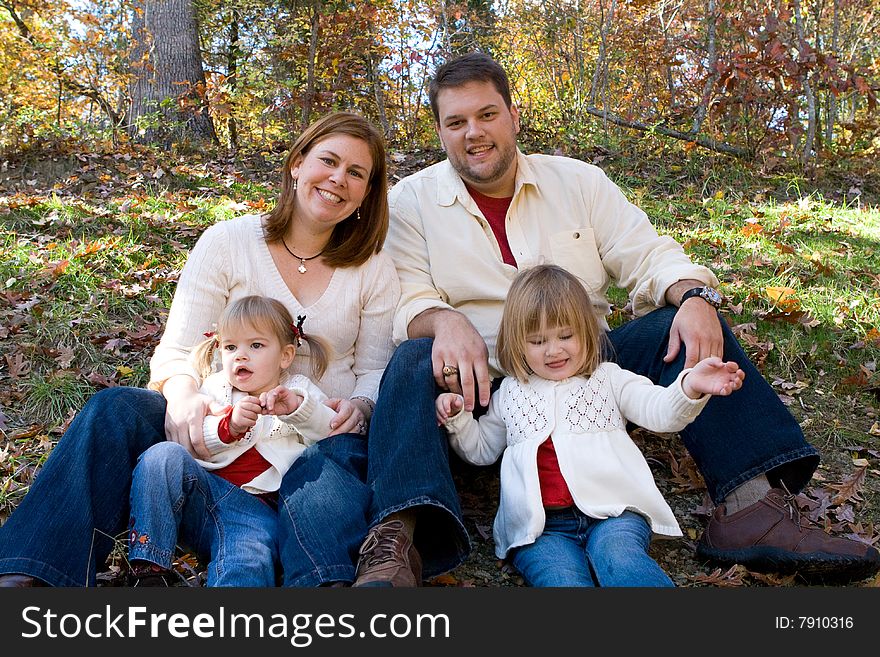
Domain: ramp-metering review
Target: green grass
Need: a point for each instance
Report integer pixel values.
(84, 277)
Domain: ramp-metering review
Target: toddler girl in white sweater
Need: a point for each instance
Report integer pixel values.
(578, 501)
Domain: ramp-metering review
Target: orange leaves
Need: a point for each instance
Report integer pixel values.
(783, 298)
(752, 228)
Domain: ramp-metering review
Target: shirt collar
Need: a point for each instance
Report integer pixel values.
(451, 187)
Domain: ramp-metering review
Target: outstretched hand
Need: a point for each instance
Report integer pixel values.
(713, 376)
(280, 401)
(448, 405)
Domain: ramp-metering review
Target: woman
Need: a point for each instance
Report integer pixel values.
(318, 252)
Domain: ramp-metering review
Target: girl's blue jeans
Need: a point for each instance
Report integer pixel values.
(576, 550)
(175, 501)
(345, 484)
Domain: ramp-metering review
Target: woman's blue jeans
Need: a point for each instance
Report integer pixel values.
(175, 500)
(345, 484)
(78, 503)
(576, 550)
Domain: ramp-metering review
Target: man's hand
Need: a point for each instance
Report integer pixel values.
(244, 416)
(458, 345)
(185, 411)
(697, 326)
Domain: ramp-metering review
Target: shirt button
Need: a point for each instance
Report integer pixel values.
(577, 236)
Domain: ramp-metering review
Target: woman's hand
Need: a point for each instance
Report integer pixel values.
(185, 412)
(349, 417)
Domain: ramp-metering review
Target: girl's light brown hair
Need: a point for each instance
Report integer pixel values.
(354, 239)
(542, 298)
(265, 313)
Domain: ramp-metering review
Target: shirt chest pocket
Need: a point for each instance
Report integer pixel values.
(575, 249)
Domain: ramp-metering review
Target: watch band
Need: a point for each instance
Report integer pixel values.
(708, 294)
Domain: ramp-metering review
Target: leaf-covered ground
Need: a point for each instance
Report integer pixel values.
(92, 244)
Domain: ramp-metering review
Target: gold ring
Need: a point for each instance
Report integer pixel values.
(450, 370)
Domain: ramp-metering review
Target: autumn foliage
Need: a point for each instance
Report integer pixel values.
(773, 79)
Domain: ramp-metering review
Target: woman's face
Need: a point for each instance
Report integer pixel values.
(332, 180)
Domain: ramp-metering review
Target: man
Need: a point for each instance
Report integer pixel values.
(460, 231)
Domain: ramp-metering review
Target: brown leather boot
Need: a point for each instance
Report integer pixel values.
(388, 558)
(771, 536)
(19, 581)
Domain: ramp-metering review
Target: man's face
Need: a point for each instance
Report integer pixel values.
(478, 132)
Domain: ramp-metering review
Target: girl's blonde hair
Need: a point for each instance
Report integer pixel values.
(541, 298)
(265, 313)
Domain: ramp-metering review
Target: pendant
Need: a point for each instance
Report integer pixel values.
(302, 268)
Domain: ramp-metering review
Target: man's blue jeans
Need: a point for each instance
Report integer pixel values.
(174, 499)
(733, 440)
(576, 550)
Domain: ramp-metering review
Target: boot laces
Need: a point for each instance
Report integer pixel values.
(383, 544)
(790, 501)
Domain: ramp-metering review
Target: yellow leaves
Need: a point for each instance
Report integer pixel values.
(782, 297)
(124, 371)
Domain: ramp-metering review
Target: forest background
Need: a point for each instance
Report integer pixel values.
(747, 129)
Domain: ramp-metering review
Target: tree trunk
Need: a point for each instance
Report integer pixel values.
(831, 119)
(711, 66)
(600, 73)
(311, 90)
(232, 55)
(168, 100)
(807, 153)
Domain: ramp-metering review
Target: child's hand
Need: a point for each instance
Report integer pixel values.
(713, 376)
(448, 406)
(244, 415)
(280, 401)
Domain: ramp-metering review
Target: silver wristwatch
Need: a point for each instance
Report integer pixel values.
(708, 294)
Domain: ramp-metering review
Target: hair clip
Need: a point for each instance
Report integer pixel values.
(209, 334)
(298, 329)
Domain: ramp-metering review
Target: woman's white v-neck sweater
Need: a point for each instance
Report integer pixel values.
(231, 260)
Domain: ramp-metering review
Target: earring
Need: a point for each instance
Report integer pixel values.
(294, 184)
(357, 214)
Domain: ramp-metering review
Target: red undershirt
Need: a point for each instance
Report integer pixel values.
(554, 490)
(247, 466)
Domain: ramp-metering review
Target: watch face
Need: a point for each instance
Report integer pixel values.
(711, 295)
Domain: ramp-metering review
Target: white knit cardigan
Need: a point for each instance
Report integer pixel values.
(586, 417)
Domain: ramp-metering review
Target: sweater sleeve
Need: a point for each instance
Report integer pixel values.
(380, 293)
(482, 441)
(656, 408)
(312, 417)
(202, 293)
